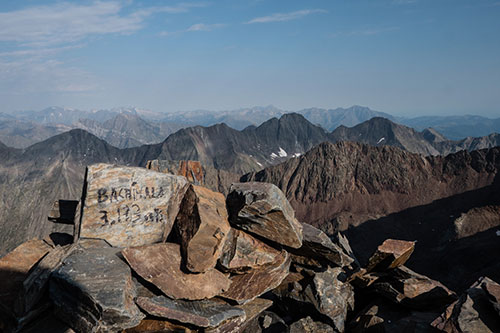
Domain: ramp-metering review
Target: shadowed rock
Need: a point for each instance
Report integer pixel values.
(204, 313)
(472, 312)
(14, 269)
(129, 206)
(36, 284)
(247, 286)
(391, 253)
(318, 249)
(262, 209)
(203, 227)
(404, 286)
(160, 264)
(308, 325)
(157, 326)
(93, 290)
(242, 252)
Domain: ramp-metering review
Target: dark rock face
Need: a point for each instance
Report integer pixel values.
(318, 249)
(93, 291)
(308, 325)
(129, 206)
(263, 209)
(203, 227)
(200, 313)
(414, 290)
(14, 269)
(163, 269)
(246, 287)
(474, 311)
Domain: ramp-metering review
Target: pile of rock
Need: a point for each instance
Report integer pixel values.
(154, 253)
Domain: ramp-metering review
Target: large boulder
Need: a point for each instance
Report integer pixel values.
(93, 291)
(202, 226)
(262, 209)
(160, 264)
(129, 206)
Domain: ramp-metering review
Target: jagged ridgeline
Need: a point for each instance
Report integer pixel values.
(156, 252)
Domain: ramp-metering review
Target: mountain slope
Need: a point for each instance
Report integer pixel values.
(127, 130)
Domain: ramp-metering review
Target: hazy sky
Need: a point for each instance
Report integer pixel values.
(406, 57)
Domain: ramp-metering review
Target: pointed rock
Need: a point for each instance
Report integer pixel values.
(245, 287)
(262, 209)
(492, 290)
(160, 264)
(14, 269)
(472, 312)
(318, 249)
(129, 206)
(203, 313)
(391, 253)
(203, 227)
(242, 252)
(93, 291)
(404, 286)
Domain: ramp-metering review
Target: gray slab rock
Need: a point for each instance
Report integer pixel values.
(203, 313)
(93, 290)
(262, 209)
(129, 206)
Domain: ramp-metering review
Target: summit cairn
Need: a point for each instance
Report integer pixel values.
(153, 252)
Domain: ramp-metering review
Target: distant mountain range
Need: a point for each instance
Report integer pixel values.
(32, 178)
(131, 127)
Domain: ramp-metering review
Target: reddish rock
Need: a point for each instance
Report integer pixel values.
(203, 227)
(158, 326)
(192, 170)
(390, 254)
(129, 206)
(242, 252)
(248, 286)
(308, 325)
(160, 264)
(262, 209)
(14, 268)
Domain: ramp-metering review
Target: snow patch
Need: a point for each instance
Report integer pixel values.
(258, 163)
(498, 233)
(297, 154)
(381, 139)
(273, 155)
(282, 153)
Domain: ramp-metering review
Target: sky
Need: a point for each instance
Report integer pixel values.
(405, 57)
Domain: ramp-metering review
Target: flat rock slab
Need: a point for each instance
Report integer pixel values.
(14, 268)
(160, 326)
(160, 264)
(202, 224)
(262, 209)
(242, 252)
(248, 286)
(93, 291)
(406, 287)
(129, 206)
(308, 325)
(390, 254)
(203, 313)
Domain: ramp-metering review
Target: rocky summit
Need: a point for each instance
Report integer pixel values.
(153, 252)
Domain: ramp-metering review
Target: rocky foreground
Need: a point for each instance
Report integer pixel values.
(152, 252)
